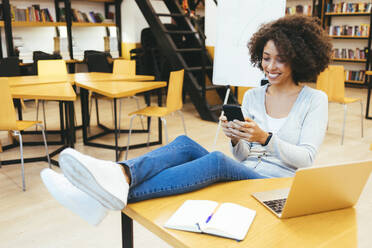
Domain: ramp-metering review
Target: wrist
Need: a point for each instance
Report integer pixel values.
(266, 138)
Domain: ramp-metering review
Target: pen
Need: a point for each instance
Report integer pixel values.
(210, 216)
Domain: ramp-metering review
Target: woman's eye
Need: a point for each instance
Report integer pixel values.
(266, 59)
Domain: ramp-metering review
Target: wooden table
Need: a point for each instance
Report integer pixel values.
(341, 228)
(76, 77)
(101, 76)
(62, 92)
(36, 80)
(115, 90)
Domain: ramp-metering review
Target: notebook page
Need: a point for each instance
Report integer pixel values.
(231, 221)
(190, 213)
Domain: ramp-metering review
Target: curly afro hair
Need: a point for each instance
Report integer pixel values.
(301, 41)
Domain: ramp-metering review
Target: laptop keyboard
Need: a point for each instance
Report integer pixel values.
(276, 205)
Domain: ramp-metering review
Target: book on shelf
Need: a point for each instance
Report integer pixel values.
(355, 75)
(345, 7)
(357, 30)
(299, 9)
(343, 53)
(91, 17)
(30, 14)
(227, 220)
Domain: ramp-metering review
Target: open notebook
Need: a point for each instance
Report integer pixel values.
(226, 220)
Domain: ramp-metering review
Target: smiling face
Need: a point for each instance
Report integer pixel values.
(275, 66)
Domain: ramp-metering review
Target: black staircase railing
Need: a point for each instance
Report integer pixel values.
(183, 45)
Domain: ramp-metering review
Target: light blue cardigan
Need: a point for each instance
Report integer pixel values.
(295, 144)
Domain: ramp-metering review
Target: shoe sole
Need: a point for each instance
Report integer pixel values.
(59, 186)
(83, 179)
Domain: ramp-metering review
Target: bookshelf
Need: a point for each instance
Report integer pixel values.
(348, 25)
(18, 18)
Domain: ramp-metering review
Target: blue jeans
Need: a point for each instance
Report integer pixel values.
(179, 167)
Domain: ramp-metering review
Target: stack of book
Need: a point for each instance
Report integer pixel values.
(355, 75)
(361, 30)
(299, 9)
(79, 16)
(349, 7)
(343, 53)
(31, 14)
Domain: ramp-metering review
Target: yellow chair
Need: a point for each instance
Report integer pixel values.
(45, 68)
(332, 82)
(173, 104)
(8, 122)
(126, 67)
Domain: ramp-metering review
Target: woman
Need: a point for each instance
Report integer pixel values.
(285, 124)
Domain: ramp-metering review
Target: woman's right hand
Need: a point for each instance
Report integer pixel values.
(227, 129)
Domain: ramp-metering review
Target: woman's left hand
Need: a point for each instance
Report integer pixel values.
(249, 131)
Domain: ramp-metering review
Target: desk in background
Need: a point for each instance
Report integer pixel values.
(341, 228)
(115, 90)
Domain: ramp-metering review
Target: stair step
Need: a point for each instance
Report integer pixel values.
(198, 68)
(180, 32)
(189, 50)
(174, 14)
(214, 87)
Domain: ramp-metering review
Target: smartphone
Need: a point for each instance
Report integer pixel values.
(233, 112)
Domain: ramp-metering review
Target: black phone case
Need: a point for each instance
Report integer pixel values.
(233, 112)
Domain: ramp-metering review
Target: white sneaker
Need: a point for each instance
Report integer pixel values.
(72, 198)
(103, 180)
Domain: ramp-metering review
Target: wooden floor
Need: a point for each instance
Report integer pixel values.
(34, 219)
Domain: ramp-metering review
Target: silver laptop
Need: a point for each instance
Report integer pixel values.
(318, 189)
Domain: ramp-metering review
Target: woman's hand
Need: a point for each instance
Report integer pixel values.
(227, 129)
(248, 130)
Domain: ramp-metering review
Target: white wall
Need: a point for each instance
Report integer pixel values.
(210, 22)
(133, 21)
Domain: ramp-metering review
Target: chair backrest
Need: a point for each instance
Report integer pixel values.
(124, 67)
(7, 111)
(98, 62)
(51, 67)
(9, 67)
(174, 96)
(337, 83)
(332, 82)
(40, 55)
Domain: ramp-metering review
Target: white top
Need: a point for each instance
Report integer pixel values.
(295, 144)
(274, 124)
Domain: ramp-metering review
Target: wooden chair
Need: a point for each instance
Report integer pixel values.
(126, 67)
(173, 104)
(332, 82)
(52, 67)
(8, 122)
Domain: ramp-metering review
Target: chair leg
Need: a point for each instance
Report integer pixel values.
(138, 108)
(37, 102)
(17, 133)
(130, 132)
(361, 119)
(343, 126)
(119, 120)
(183, 121)
(165, 129)
(97, 114)
(45, 144)
(45, 126)
(112, 111)
(148, 134)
